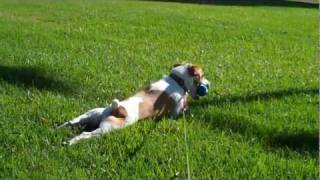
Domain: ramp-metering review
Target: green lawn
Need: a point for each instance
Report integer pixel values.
(59, 59)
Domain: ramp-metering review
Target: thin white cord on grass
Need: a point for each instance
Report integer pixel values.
(186, 144)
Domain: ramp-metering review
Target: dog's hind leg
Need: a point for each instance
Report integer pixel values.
(91, 118)
(107, 125)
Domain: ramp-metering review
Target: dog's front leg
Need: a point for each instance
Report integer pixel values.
(180, 107)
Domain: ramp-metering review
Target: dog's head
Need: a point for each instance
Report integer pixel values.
(192, 75)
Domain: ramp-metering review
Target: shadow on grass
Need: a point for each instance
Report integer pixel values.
(300, 141)
(32, 77)
(279, 3)
(262, 96)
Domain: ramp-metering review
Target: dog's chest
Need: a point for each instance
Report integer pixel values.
(170, 87)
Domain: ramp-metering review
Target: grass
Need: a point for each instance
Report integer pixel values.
(61, 58)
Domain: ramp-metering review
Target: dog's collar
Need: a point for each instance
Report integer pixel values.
(179, 80)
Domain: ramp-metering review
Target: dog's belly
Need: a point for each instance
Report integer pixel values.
(131, 107)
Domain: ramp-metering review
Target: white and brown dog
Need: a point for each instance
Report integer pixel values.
(168, 96)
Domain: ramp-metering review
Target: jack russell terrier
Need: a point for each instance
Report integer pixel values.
(168, 96)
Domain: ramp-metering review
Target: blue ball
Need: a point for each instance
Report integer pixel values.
(202, 89)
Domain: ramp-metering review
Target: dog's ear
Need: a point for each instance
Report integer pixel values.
(195, 71)
(176, 65)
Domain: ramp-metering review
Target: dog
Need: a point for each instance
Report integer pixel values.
(165, 97)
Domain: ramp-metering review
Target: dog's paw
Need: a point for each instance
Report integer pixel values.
(72, 141)
(65, 143)
(115, 103)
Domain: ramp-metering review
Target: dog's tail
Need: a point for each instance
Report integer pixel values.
(115, 103)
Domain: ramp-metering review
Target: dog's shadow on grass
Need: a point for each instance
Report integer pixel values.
(263, 96)
(33, 77)
(279, 3)
(300, 141)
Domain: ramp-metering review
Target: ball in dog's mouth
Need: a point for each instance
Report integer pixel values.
(202, 89)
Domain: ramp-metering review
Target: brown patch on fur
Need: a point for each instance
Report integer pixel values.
(119, 112)
(120, 121)
(164, 105)
(117, 116)
(154, 103)
(196, 71)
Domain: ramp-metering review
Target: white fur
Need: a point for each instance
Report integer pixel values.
(131, 105)
(170, 86)
(205, 81)
(104, 127)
